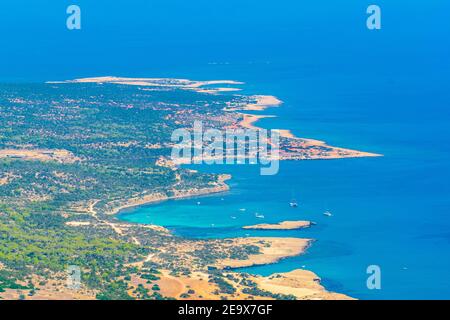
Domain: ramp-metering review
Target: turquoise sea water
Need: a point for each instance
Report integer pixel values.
(390, 211)
(386, 91)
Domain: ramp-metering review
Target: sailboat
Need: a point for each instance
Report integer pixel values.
(293, 203)
(259, 216)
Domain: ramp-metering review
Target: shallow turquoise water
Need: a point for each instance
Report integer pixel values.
(387, 93)
(374, 222)
(391, 211)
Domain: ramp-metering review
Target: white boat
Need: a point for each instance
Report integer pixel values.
(328, 213)
(259, 216)
(242, 210)
(199, 203)
(233, 217)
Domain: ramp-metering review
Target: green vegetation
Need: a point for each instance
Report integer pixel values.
(54, 211)
(41, 244)
(115, 136)
(224, 286)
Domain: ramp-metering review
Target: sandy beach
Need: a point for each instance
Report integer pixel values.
(303, 284)
(262, 102)
(272, 250)
(184, 84)
(285, 225)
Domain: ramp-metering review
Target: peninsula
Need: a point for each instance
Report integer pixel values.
(75, 153)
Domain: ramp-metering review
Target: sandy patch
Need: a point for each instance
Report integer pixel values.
(262, 103)
(53, 289)
(184, 84)
(78, 223)
(285, 225)
(303, 284)
(271, 250)
(62, 156)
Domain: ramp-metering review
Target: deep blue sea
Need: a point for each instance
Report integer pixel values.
(385, 91)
